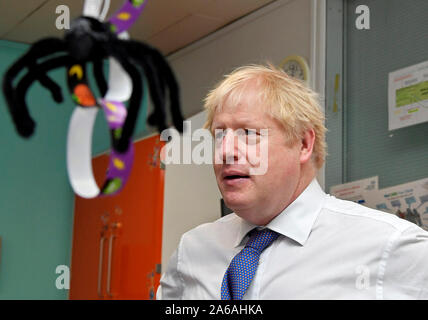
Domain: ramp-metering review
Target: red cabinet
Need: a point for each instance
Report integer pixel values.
(117, 240)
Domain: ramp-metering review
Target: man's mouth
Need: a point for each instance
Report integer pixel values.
(235, 176)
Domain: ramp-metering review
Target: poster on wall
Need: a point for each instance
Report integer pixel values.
(408, 201)
(354, 190)
(408, 96)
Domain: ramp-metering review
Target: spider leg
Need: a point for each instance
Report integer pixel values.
(18, 108)
(157, 93)
(155, 82)
(50, 85)
(38, 50)
(99, 76)
(141, 52)
(122, 144)
(157, 87)
(174, 93)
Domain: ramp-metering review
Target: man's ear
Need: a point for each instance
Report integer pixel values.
(307, 145)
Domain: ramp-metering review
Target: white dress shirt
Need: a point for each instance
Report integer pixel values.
(327, 249)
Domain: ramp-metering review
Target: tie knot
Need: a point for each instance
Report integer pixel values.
(261, 239)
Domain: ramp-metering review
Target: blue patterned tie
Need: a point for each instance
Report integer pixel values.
(243, 267)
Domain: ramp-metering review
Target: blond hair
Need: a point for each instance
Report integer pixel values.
(288, 100)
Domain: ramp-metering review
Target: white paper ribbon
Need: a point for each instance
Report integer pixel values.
(80, 130)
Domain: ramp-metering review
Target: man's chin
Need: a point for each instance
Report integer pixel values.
(251, 217)
(236, 204)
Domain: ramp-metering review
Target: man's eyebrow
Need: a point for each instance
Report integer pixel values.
(215, 126)
(241, 123)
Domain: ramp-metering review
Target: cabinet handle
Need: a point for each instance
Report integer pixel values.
(100, 266)
(110, 253)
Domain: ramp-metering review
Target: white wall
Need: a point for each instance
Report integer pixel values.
(270, 34)
(191, 197)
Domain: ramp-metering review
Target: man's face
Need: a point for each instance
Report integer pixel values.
(257, 198)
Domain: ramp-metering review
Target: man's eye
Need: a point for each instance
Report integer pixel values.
(219, 135)
(250, 132)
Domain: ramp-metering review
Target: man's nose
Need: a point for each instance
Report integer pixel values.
(230, 147)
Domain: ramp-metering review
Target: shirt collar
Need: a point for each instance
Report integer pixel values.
(295, 221)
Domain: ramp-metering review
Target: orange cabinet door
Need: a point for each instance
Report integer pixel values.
(117, 240)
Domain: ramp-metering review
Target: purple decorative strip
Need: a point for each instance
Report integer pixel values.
(119, 169)
(115, 113)
(125, 17)
(120, 164)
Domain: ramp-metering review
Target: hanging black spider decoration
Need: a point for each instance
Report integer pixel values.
(92, 41)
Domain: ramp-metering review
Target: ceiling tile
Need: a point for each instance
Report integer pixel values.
(13, 12)
(184, 32)
(42, 22)
(166, 24)
(231, 9)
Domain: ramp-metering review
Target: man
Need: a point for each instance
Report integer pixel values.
(287, 239)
